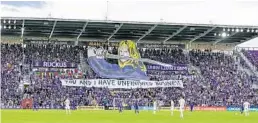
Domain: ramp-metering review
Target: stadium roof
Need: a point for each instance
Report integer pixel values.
(160, 32)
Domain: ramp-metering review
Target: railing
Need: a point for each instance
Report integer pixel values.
(252, 67)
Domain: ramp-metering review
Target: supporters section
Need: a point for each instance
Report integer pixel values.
(34, 67)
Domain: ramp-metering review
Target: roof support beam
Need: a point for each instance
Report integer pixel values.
(114, 32)
(219, 40)
(53, 28)
(147, 33)
(83, 29)
(203, 34)
(22, 29)
(174, 34)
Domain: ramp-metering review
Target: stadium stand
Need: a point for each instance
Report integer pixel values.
(219, 82)
(11, 57)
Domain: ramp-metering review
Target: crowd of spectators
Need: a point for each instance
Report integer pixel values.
(226, 84)
(51, 52)
(11, 58)
(176, 56)
(219, 84)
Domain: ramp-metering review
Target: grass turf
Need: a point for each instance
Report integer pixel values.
(112, 116)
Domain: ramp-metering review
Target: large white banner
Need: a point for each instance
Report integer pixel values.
(113, 83)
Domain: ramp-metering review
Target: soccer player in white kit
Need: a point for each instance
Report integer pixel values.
(172, 107)
(246, 108)
(67, 106)
(181, 106)
(154, 106)
(114, 104)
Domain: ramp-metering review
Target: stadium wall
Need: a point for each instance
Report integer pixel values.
(231, 108)
(197, 108)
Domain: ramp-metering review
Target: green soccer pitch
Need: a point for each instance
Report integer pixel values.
(112, 116)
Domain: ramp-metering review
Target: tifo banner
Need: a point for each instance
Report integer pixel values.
(208, 108)
(130, 65)
(125, 69)
(113, 83)
(54, 64)
(171, 68)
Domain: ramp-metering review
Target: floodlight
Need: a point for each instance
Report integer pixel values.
(224, 34)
